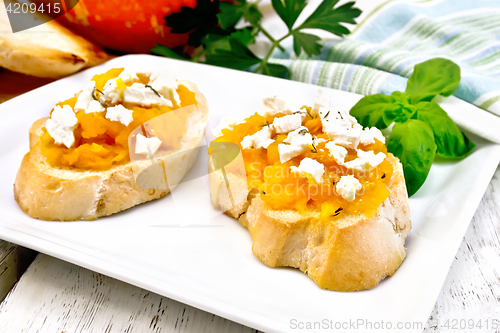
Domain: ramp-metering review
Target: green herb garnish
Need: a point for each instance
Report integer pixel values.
(212, 31)
(266, 124)
(154, 90)
(94, 97)
(422, 128)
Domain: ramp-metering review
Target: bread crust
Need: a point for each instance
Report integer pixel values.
(346, 254)
(68, 194)
(48, 50)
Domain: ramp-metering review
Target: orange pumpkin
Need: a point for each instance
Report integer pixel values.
(125, 25)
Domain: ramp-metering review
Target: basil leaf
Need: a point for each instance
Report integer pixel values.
(372, 110)
(405, 110)
(413, 143)
(433, 77)
(450, 140)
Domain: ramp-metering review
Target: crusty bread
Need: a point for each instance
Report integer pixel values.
(47, 50)
(346, 254)
(68, 194)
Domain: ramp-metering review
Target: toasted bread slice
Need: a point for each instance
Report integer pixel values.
(345, 254)
(68, 193)
(47, 50)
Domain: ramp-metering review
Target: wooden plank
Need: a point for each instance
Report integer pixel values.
(56, 296)
(470, 297)
(9, 267)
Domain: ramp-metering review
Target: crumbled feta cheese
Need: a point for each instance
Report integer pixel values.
(119, 113)
(310, 167)
(140, 94)
(137, 93)
(128, 75)
(287, 123)
(299, 141)
(224, 123)
(322, 101)
(273, 105)
(347, 187)
(167, 86)
(365, 160)
(370, 134)
(261, 139)
(342, 128)
(337, 152)
(86, 102)
(111, 92)
(61, 124)
(147, 146)
(317, 141)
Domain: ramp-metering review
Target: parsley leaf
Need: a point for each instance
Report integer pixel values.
(231, 13)
(212, 30)
(307, 42)
(237, 57)
(289, 10)
(166, 52)
(327, 18)
(413, 143)
(197, 21)
(275, 70)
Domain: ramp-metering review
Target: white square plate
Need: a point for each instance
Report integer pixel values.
(205, 260)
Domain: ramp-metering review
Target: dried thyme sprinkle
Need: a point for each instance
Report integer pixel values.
(266, 124)
(338, 210)
(310, 115)
(154, 90)
(326, 115)
(95, 98)
(383, 176)
(340, 114)
(315, 149)
(303, 131)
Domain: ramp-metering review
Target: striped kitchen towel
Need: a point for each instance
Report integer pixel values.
(380, 54)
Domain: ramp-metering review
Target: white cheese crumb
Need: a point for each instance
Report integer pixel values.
(273, 105)
(261, 139)
(337, 152)
(86, 103)
(119, 113)
(299, 141)
(61, 124)
(167, 86)
(224, 123)
(140, 94)
(322, 101)
(137, 93)
(147, 146)
(365, 160)
(370, 134)
(341, 127)
(310, 167)
(128, 75)
(287, 123)
(347, 187)
(317, 141)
